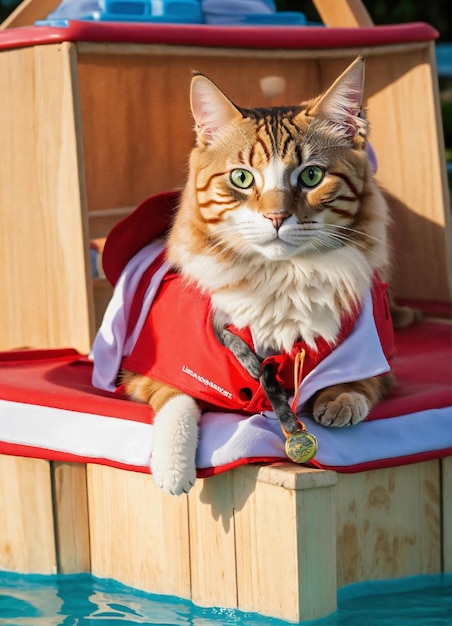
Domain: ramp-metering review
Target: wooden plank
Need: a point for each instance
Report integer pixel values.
(393, 75)
(212, 542)
(317, 548)
(140, 83)
(446, 475)
(101, 222)
(265, 553)
(28, 12)
(284, 537)
(47, 166)
(139, 535)
(405, 121)
(260, 54)
(26, 517)
(388, 523)
(44, 256)
(343, 13)
(70, 500)
(151, 148)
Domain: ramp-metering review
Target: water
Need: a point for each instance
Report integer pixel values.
(81, 600)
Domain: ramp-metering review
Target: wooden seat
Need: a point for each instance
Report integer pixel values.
(93, 119)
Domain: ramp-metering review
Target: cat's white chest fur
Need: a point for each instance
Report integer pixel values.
(278, 318)
(282, 302)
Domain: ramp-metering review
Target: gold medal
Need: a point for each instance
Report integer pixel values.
(301, 446)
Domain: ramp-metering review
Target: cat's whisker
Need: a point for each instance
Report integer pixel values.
(231, 243)
(353, 231)
(348, 239)
(378, 240)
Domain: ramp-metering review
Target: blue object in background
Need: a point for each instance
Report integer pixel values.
(185, 11)
(74, 9)
(257, 12)
(444, 59)
(249, 12)
(177, 11)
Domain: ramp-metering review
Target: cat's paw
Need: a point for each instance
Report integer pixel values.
(345, 409)
(175, 440)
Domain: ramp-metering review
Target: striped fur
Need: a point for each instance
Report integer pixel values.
(283, 225)
(278, 256)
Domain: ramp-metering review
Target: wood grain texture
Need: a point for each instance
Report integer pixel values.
(70, 500)
(388, 523)
(406, 134)
(296, 477)
(219, 551)
(231, 543)
(139, 535)
(27, 542)
(73, 153)
(96, 127)
(212, 542)
(43, 237)
(285, 546)
(150, 129)
(421, 238)
(268, 539)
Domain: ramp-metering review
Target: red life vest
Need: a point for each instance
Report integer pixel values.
(177, 346)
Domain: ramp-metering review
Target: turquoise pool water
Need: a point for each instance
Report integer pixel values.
(81, 600)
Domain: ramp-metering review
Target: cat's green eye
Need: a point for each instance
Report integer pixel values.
(311, 176)
(241, 178)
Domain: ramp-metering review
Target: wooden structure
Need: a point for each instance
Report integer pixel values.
(93, 120)
(89, 126)
(278, 540)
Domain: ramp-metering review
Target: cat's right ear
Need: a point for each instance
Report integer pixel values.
(211, 109)
(341, 104)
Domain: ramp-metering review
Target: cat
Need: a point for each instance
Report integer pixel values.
(282, 225)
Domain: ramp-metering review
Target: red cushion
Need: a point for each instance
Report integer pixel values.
(423, 366)
(62, 379)
(273, 37)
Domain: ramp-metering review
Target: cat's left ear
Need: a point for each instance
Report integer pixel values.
(342, 102)
(211, 109)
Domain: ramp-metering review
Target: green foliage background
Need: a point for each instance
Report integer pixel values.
(438, 13)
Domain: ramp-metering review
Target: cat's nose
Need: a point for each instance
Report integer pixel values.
(277, 218)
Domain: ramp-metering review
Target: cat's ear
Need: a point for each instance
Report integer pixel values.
(342, 102)
(211, 109)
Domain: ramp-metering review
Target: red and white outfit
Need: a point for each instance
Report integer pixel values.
(52, 411)
(160, 326)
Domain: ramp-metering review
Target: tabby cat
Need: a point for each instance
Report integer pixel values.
(282, 224)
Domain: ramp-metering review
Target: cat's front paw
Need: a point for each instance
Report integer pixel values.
(345, 409)
(175, 440)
